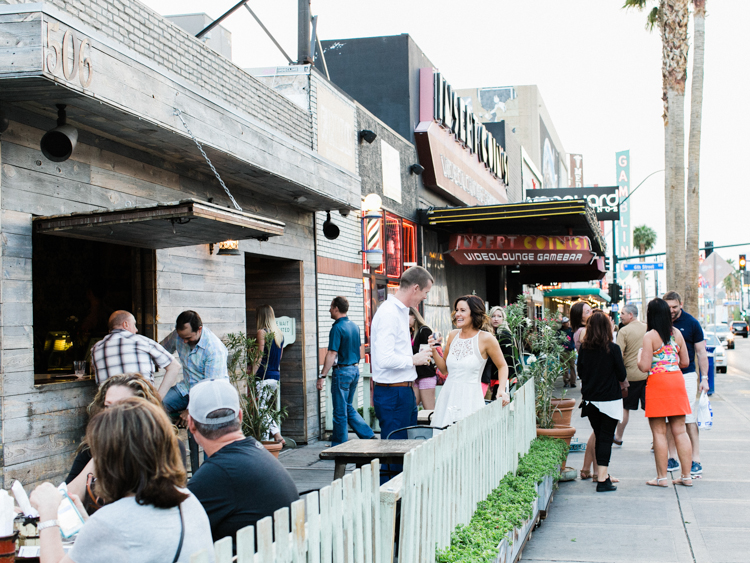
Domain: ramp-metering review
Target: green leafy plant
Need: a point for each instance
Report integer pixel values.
(507, 507)
(543, 339)
(259, 404)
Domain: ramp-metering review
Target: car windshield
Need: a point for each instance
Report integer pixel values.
(739, 324)
(718, 329)
(711, 340)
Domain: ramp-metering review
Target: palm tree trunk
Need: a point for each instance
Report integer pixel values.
(674, 20)
(694, 151)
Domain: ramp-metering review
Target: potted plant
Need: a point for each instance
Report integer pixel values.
(537, 353)
(259, 404)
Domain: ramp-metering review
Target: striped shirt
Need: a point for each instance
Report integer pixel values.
(208, 360)
(121, 351)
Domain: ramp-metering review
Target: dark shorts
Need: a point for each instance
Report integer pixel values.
(636, 393)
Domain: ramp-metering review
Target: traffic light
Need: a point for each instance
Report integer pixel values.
(743, 262)
(606, 263)
(615, 292)
(709, 244)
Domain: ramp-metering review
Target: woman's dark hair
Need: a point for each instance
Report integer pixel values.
(576, 315)
(479, 316)
(598, 331)
(135, 452)
(659, 318)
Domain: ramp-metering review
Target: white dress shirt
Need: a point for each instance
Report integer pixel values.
(391, 352)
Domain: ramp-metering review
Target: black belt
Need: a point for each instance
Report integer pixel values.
(343, 365)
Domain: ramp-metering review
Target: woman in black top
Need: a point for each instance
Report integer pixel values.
(601, 369)
(424, 386)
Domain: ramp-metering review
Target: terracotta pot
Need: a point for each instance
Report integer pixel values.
(275, 447)
(562, 411)
(564, 433)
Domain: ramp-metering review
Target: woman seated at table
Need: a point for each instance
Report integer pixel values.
(113, 390)
(149, 515)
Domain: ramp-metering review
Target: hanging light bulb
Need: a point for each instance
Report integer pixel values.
(229, 248)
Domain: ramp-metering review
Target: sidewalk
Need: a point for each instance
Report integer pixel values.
(638, 524)
(308, 471)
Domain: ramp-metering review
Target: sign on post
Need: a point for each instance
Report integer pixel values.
(643, 266)
(288, 327)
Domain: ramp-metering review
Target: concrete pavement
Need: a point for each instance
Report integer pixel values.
(708, 523)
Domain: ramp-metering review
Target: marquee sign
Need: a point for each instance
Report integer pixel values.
(461, 158)
(604, 200)
(509, 250)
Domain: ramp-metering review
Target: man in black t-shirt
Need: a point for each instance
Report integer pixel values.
(695, 343)
(240, 482)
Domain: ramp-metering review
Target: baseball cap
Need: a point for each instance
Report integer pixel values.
(211, 395)
(565, 320)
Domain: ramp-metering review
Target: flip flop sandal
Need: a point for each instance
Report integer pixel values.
(657, 483)
(681, 481)
(618, 442)
(585, 474)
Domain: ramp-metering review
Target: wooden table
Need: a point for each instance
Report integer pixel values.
(362, 452)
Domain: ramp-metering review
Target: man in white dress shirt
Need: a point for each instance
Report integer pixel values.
(392, 359)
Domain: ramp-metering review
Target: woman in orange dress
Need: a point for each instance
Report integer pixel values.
(662, 356)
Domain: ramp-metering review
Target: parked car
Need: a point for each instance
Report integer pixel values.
(724, 334)
(740, 328)
(717, 352)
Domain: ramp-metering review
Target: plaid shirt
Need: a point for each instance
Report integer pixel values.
(122, 351)
(208, 360)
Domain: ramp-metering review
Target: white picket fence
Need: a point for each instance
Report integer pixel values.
(353, 519)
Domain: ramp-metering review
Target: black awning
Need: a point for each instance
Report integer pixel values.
(165, 225)
(548, 218)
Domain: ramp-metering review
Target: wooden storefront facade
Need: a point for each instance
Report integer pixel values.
(133, 151)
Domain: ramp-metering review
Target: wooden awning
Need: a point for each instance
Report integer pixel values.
(165, 225)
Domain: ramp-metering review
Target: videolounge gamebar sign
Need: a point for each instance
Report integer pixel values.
(605, 200)
(509, 250)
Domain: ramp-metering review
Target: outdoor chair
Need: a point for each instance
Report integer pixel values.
(418, 432)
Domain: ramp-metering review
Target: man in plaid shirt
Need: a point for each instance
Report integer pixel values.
(125, 351)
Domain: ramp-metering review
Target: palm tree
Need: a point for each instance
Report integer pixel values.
(644, 237)
(733, 284)
(692, 252)
(671, 16)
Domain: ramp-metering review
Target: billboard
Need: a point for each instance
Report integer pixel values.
(550, 158)
(604, 200)
(576, 170)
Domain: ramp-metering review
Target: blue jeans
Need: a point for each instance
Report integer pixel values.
(174, 402)
(395, 407)
(343, 390)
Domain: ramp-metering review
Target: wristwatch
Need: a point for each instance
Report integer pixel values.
(321, 376)
(47, 524)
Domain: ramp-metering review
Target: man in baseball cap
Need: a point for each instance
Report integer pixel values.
(240, 482)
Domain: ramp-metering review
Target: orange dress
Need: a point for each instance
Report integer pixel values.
(665, 388)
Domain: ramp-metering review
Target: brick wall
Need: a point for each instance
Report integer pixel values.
(150, 35)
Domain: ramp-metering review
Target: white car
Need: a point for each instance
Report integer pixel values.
(724, 334)
(717, 352)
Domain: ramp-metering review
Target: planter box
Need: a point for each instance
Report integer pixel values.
(510, 548)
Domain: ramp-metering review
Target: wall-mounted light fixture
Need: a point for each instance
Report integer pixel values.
(373, 215)
(330, 230)
(367, 135)
(58, 143)
(226, 248)
(416, 169)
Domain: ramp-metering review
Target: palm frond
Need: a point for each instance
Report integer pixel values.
(653, 19)
(637, 4)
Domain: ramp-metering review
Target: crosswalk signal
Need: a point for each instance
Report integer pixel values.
(743, 263)
(606, 263)
(615, 292)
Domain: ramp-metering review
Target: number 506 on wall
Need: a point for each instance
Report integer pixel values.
(71, 55)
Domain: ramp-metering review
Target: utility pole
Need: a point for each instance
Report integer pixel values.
(303, 33)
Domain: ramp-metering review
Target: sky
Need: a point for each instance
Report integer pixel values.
(597, 67)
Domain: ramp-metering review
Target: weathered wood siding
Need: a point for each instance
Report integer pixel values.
(42, 425)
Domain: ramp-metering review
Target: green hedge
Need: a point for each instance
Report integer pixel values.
(507, 507)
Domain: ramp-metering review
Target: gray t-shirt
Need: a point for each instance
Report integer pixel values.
(125, 532)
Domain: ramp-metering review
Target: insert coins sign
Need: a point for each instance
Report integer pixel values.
(508, 250)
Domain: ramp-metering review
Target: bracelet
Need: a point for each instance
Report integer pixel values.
(47, 524)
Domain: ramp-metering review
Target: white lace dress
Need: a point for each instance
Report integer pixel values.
(462, 393)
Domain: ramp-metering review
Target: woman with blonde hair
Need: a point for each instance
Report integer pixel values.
(501, 330)
(266, 371)
(150, 516)
(115, 389)
(424, 385)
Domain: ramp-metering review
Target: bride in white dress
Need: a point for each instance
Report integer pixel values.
(466, 352)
